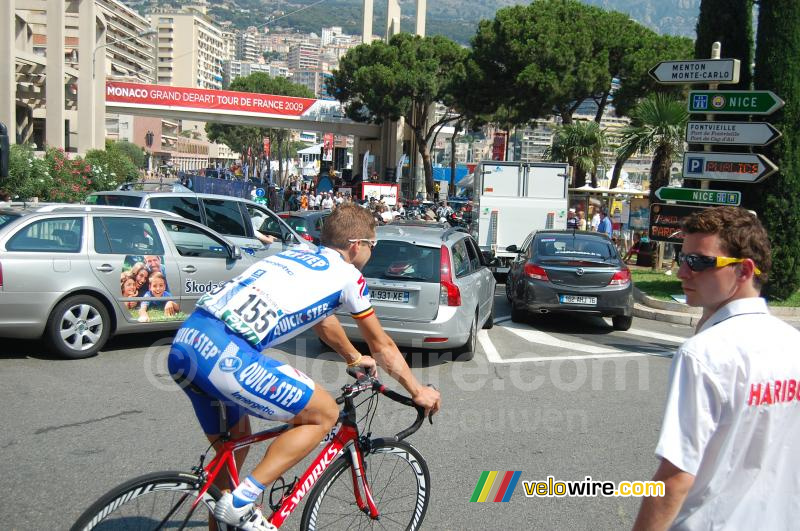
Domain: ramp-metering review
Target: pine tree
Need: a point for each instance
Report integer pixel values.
(729, 22)
(778, 197)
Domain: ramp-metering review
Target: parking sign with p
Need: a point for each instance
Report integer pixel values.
(694, 165)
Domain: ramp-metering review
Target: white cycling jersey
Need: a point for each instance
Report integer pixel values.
(287, 293)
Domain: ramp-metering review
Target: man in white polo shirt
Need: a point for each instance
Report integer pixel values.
(728, 443)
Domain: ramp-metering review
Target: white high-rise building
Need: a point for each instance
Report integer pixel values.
(328, 34)
(190, 49)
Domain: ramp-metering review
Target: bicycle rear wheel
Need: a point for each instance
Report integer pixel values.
(398, 478)
(162, 500)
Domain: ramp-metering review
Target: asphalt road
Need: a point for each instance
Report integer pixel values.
(562, 397)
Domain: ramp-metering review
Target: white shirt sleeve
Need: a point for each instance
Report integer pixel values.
(694, 404)
(355, 296)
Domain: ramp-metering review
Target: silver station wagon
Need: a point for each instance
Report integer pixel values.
(75, 275)
(430, 287)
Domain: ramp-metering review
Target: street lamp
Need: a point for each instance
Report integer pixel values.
(145, 33)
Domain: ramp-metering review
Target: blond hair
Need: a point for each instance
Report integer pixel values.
(348, 222)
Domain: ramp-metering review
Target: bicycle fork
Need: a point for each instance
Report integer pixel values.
(366, 502)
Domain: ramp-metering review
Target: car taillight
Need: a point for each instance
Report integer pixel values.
(621, 278)
(306, 236)
(449, 294)
(284, 216)
(534, 271)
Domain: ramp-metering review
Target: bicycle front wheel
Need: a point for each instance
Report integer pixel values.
(162, 500)
(398, 478)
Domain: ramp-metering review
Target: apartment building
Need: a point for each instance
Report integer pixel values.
(246, 48)
(190, 49)
(127, 55)
(303, 56)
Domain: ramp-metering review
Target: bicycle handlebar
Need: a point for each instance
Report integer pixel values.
(366, 382)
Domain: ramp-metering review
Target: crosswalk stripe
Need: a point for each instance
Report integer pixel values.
(543, 338)
(616, 354)
(655, 335)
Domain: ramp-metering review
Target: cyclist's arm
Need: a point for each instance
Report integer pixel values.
(332, 333)
(390, 359)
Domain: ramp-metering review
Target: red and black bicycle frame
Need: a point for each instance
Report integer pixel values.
(341, 442)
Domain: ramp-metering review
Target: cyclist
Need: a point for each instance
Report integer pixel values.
(219, 349)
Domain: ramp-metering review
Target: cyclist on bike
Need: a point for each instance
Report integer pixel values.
(218, 349)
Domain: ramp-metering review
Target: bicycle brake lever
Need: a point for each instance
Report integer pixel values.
(430, 418)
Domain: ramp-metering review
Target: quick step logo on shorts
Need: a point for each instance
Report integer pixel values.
(496, 486)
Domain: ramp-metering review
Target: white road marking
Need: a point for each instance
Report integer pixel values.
(488, 347)
(656, 335)
(614, 354)
(543, 338)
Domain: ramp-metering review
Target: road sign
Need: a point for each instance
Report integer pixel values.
(695, 195)
(740, 167)
(731, 133)
(703, 71)
(734, 102)
(665, 221)
(260, 192)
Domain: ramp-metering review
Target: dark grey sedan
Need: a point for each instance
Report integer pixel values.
(570, 271)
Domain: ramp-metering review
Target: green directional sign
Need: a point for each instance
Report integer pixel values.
(734, 102)
(696, 195)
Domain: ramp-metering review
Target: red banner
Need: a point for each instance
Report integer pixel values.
(205, 99)
(499, 147)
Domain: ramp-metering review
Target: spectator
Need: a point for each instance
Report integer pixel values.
(727, 441)
(572, 219)
(595, 220)
(581, 220)
(605, 224)
(637, 242)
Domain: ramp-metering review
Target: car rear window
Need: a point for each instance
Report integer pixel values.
(114, 200)
(7, 218)
(187, 207)
(298, 224)
(574, 247)
(398, 260)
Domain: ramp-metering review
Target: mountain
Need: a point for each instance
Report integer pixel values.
(456, 19)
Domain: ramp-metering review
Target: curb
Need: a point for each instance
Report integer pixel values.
(677, 313)
(681, 318)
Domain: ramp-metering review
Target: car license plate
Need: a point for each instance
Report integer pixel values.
(577, 299)
(388, 295)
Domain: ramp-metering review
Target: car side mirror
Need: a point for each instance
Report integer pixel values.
(288, 237)
(235, 252)
(512, 248)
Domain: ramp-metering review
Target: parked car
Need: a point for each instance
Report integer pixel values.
(571, 272)
(153, 187)
(75, 275)
(235, 218)
(430, 288)
(307, 223)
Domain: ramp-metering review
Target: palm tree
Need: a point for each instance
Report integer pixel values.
(581, 144)
(657, 126)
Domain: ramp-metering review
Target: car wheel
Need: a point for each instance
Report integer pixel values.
(622, 322)
(489, 320)
(518, 315)
(467, 351)
(78, 327)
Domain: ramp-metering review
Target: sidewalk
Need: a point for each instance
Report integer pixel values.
(677, 313)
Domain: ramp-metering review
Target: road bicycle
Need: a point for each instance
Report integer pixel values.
(355, 482)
